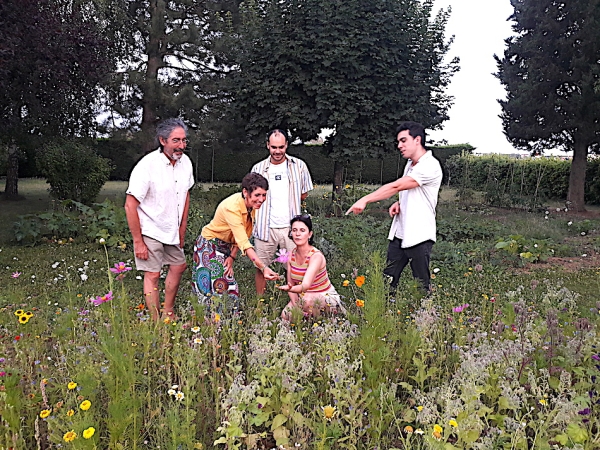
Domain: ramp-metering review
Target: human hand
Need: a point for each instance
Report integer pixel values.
(358, 207)
(228, 266)
(284, 287)
(140, 250)
(270, 275)
(394, 209)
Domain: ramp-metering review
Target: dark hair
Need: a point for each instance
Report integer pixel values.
(277, 131)
(414, 129)
(166, 127)
(306, 220)
(253, 181)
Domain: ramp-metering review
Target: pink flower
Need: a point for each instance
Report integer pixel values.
(283, 256)
(16, 274)
(461, 308)
(120, 267)
(101, 299)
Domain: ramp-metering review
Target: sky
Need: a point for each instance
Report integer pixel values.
(479, 28)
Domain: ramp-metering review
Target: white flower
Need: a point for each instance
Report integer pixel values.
(179, 396)
(195, 329)
(436, 270)
(86, 263)
(171, 392)
(535, 245)
(84, 277)
(546, 217)
(197, 341)
(102, 241)
(566, 209)
(55, 265)
(569, 224)
(343, 275)
(584, 255)
(139, 277)
(557, 209)
(547, 212)
(583, 233)
(175, 386)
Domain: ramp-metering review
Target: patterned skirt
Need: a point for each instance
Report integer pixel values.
(208, 271)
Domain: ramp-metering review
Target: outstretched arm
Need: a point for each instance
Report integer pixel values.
(384, 192)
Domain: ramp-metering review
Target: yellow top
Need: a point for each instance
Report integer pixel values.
(232, 223)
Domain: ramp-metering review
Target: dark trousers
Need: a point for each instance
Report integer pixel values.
(418, 256)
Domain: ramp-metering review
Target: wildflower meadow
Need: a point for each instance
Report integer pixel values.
(504, 354)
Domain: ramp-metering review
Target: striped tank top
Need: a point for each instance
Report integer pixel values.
(321, 282)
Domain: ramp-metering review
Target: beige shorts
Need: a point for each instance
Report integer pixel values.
(278, 238)
(159, 255)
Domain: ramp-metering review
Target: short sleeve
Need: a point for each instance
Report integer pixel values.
(139, 182)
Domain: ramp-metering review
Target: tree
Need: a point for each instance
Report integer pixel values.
(551, 73)
(358, 67)
(53, 58)
(173, 67)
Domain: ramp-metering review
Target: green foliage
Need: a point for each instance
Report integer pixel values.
(74, 170)
(521, 183)
(529, 250)
(74, 220)
(344, 66)
(550, 71)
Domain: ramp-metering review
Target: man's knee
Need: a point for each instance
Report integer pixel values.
(178, 269)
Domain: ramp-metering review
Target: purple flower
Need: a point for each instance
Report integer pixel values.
(120, 267)
(283, 256)
(2, 374)
(584, 412)
(461, 308)
(16, 274)
(101, 299)
(596, 357)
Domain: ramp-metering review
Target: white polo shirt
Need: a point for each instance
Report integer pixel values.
(416, 221)
(161, 188)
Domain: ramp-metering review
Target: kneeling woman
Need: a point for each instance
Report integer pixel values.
(308, 284)
(228, 232)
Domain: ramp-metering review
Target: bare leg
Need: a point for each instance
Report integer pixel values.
(259, 280)
(151, 293)
(172, 285)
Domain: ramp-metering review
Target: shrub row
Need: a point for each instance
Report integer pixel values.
(513, 182)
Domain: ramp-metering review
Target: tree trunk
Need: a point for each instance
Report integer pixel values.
(338, 188)
(151, 85)
(576, 195)
(11, 190)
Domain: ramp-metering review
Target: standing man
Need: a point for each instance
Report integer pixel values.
(289, 183)
(157, 207)
(413, 227)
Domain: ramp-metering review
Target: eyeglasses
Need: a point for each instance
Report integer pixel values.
(178, 140)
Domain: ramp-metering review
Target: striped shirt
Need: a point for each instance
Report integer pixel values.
(300, 183)
(321, 282)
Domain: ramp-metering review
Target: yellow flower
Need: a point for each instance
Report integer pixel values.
(453, 423)
(23, 319)
(346, 283)
(85, 405)
(437, 429)
(408, 429)
(329, 412)
(69, 436)
(217, 317)
(360, 280)
(88, 433)
(19, 312)
(360, 303)
(44, 413)
(347, 186)
(28, 314)
(543, 402)
(72, 385)
(70, 412)
(419, 408)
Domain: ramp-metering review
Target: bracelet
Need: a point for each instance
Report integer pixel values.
(232, 257)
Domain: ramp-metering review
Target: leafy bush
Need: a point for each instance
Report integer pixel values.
(74, 170)
(75, 220)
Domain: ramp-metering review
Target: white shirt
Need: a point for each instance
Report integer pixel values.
(279, 187)
(161, 188)
(416, 221)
